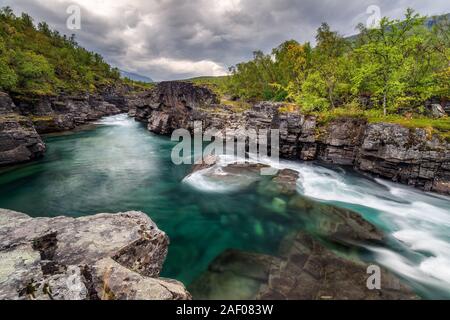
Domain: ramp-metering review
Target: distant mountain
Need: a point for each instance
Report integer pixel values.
(135, 76)
(429, 23)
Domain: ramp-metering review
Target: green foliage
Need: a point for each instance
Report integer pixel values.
(40, 61)
(8, 78)
(398, 66)
(392, 65)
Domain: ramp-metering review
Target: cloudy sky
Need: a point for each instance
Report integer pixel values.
(177, 39)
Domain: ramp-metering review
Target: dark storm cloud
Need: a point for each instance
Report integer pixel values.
(170, 39)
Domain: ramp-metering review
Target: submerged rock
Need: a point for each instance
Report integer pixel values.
(304, 270)
(106, 256)
(310, 271)
(336, 224)
(234, 275)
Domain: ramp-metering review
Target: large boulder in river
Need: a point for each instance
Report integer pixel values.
(104, 256)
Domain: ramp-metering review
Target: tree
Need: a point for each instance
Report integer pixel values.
(8, 77)
(330, 47)
(34, 71)
(27, 20)
(386, 57)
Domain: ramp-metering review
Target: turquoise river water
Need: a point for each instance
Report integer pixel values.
(116, 165)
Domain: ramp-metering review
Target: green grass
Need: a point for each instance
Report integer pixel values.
(440, 126)
(237, 106)
(216, 84)
(42, 118)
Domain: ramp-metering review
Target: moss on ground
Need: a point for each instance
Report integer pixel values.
(236, 106)
(42, 118)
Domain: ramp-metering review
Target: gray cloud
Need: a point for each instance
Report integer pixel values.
(174, 39)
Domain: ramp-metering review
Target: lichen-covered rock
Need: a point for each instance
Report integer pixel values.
(104, 256)
(7, 106)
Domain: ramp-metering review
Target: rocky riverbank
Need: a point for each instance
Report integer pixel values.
(100, 257)
(409, 156)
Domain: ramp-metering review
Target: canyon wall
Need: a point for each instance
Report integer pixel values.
(409, 156)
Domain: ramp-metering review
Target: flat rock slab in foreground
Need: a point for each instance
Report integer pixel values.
(106, 256)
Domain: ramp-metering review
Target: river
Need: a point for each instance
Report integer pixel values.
(116, 165)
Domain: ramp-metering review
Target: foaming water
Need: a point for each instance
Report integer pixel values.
(119, 166)
(419, 221)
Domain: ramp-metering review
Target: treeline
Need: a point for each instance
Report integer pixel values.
(39, 61)
(393, 68)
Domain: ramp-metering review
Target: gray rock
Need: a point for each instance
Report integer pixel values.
(436, 111)
(310, 271)
(19, 141)
(104, 256)
(406, 156)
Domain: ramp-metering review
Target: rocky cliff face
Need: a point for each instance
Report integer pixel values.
(107, 257)
(19, 141)
(61, 113)
(385, 150)
(172, 105)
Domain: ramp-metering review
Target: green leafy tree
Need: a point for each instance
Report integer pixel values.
(8, 77)
(387, 58)
(38, 60)
(326, 59)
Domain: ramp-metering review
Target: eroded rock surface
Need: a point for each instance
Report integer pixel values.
(106, 256)
(19, 141)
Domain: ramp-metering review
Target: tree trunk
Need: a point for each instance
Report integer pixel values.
(330, 96)
(385, 103)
